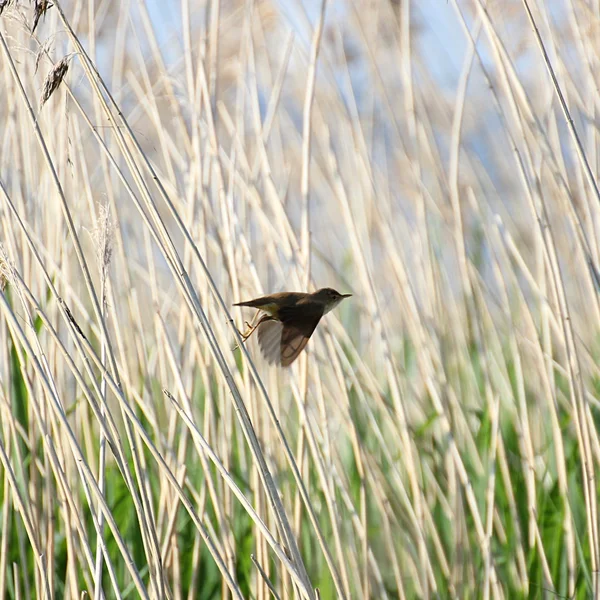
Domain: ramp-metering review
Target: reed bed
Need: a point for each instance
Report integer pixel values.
(161, 161)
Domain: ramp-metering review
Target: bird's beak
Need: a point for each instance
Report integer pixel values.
(346, 295)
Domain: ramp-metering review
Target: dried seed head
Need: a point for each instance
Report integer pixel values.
(103, 236)
(5, 268)
(43, 50)
(4, 4)
(41, 6)
(3, 276)
(54, 79)
(38, 57)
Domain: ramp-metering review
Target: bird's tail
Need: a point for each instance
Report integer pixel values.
(257, 303)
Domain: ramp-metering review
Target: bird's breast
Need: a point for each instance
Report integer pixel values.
(270, 309)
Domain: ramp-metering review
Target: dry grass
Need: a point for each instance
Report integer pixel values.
(440, 436)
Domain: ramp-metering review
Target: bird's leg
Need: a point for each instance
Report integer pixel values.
(251, 328)
(248, 331)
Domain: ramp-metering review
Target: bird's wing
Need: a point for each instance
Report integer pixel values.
(269, 340)
(282, 342)
(293, 341)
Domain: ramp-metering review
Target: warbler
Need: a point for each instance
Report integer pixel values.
(289, 320)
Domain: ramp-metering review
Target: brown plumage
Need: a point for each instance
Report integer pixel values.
(290, 320)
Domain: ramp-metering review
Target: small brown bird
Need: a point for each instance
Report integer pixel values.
(290, 319)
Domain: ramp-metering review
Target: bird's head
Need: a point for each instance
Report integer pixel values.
(330, 298)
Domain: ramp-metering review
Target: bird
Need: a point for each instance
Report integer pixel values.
(288, 320)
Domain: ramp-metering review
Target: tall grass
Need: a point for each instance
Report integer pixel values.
(160, 161)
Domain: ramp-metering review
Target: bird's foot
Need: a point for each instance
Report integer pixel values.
(249, 331)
